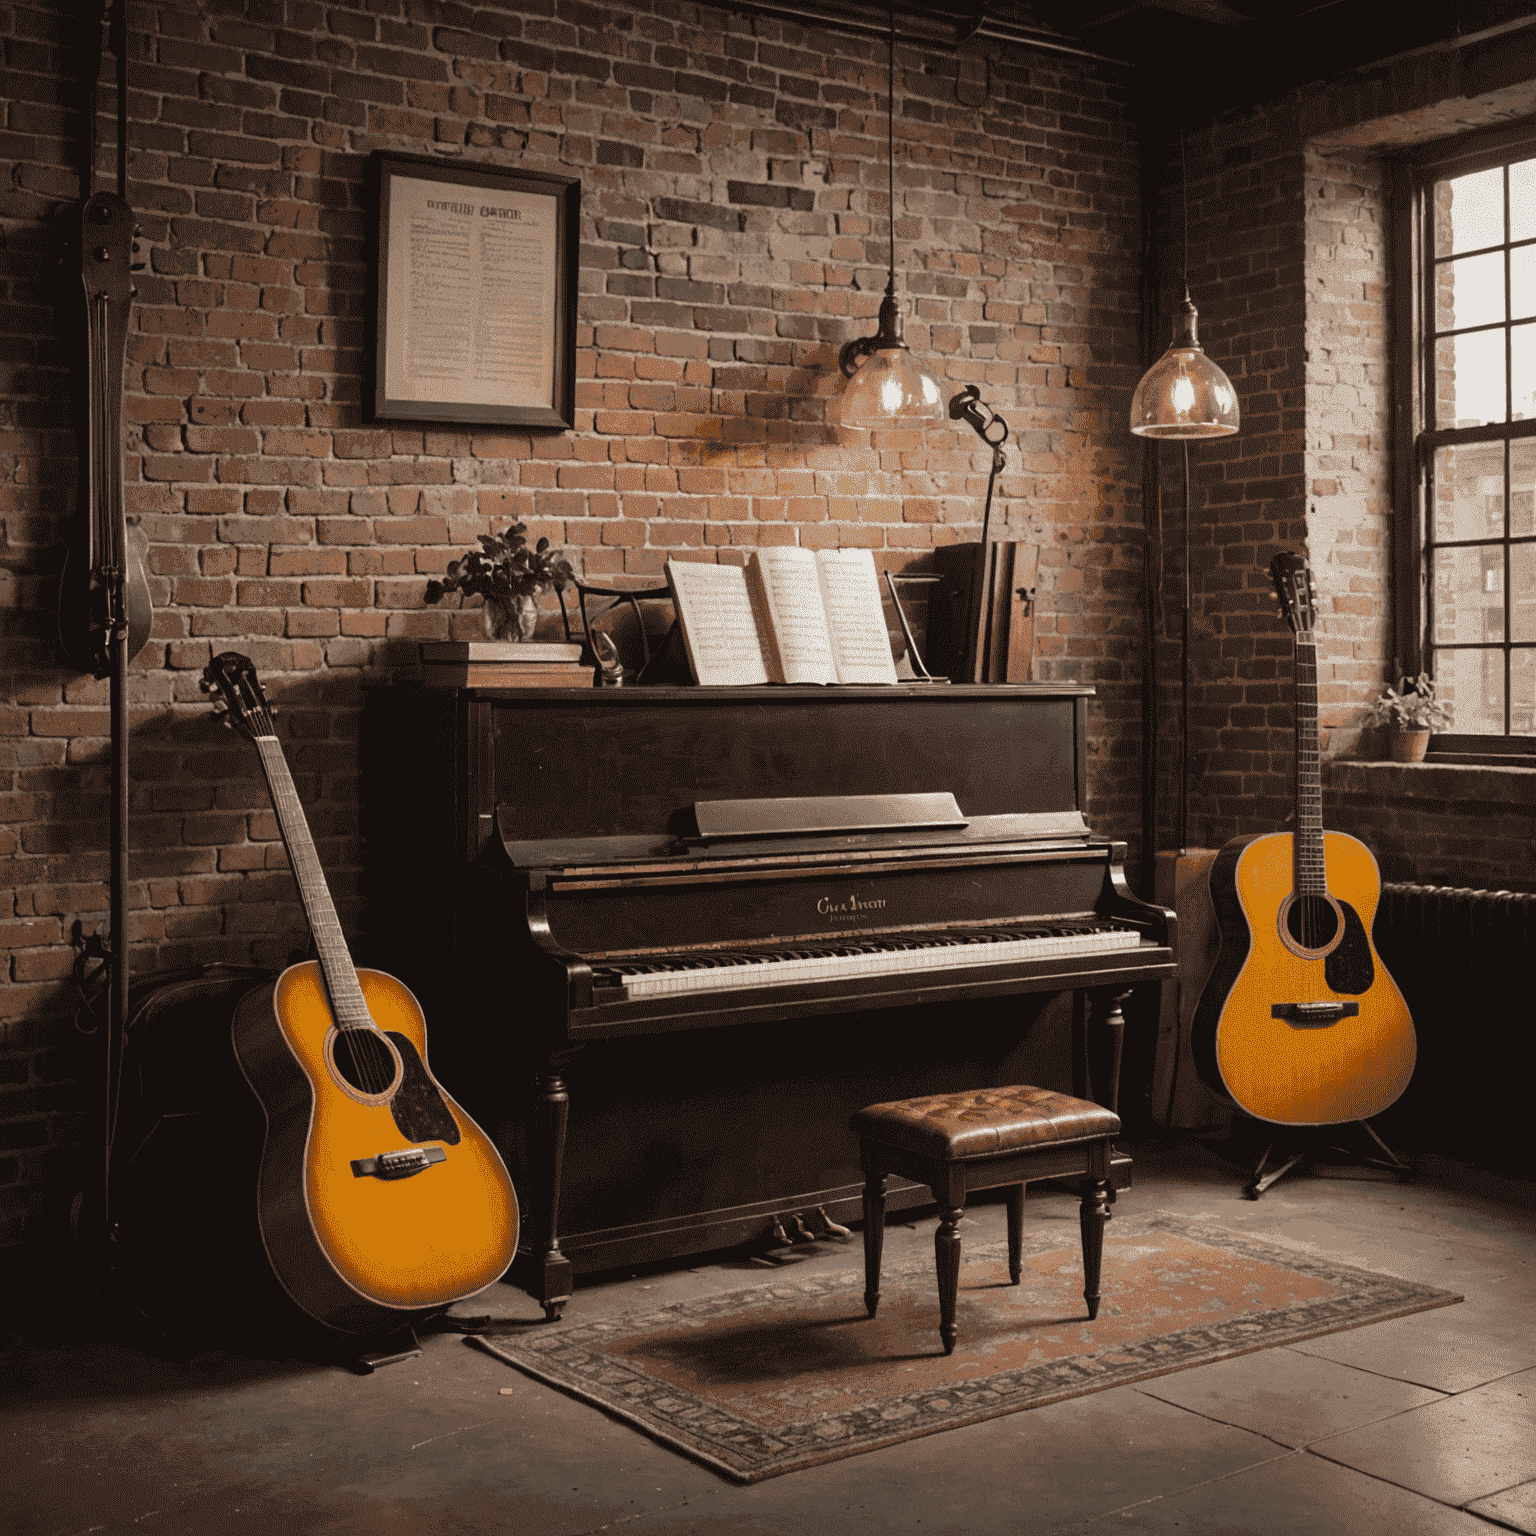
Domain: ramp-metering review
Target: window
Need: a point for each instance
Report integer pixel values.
(1467, 342)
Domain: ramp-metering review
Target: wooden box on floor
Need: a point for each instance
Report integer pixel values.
(1180, 1100)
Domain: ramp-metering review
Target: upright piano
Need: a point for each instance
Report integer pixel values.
(669, 938)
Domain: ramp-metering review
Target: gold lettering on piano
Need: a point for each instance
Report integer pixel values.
(830, 908)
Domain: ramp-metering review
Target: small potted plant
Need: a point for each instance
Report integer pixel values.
(508, 576)
(1410, 713)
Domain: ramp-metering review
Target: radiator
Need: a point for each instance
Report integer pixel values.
(1500, 922)
(1463, 959)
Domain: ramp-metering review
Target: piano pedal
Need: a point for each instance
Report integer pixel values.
(800, 1233)
(777, 1235)
(830, 1228)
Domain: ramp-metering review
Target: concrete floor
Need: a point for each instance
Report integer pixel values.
(1423, 1425)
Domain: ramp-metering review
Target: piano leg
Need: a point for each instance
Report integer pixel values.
(1105, 1045)
(550, 1284)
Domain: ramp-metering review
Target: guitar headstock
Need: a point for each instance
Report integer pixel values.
(1293, 586)
(242, 706)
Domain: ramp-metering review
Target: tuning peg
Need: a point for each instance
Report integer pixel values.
(205, 685)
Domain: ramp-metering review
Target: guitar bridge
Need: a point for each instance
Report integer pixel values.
(1314, 1015)
(397, 1165)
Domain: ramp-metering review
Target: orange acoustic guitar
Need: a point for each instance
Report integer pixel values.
(378, 1197)
(1299, 1022)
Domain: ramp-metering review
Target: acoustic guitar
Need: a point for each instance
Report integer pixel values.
(378, 1197)
(1299, 1022)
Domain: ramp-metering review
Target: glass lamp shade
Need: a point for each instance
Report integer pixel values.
(890, 388)
(1184, 394)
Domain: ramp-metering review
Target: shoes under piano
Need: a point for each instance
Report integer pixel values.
(669, 938)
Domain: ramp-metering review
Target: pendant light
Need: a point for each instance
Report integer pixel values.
(1184, 394)
(887, 386)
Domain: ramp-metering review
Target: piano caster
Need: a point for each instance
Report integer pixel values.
(553, 1309)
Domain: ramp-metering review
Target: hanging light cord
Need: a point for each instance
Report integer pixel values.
(1184, 193)
(890, 139)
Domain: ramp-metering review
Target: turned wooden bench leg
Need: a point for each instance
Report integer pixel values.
(1015, 1232)
(874, 1238)
(1093, 1213)
(946, 1254)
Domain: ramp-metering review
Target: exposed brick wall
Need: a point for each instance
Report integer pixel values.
(1289, 265)
(1440, 824)
(733, 235)
(1245, 272)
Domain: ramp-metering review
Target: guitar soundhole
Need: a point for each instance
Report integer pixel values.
(363, 1060)
(1312, 922)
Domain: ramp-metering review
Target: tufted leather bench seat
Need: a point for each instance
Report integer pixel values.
(957, 1142)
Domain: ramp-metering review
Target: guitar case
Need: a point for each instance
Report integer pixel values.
(185, 1254)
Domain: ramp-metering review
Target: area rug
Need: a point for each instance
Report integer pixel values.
(788, 1373)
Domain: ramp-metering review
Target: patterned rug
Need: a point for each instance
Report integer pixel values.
(788, 1373)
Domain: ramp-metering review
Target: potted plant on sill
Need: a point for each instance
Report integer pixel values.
(1410, 714)
(508, 576)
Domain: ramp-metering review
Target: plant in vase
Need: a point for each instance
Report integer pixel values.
(507, 575)
(1410, 713)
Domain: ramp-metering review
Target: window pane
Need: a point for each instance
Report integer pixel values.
(1476, 209)
(1522, 487)
(1470, 292)
(1469, 379)
(1472, 683)
(1522, 200)
(1522, 693)
(1522, 365)
(1522, 592)
(1469, 595)
(1469, 492)
(1522, 282)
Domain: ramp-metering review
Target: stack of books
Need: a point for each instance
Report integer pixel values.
(504, 664)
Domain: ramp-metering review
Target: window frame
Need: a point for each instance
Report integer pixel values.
(1413, 176)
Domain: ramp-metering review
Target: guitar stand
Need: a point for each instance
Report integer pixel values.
(1265, 1176)
(404, 1344)
(400, 1345)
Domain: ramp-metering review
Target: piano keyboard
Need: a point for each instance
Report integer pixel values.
(717, 970)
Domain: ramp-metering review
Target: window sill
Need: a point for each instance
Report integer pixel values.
(1461, 782)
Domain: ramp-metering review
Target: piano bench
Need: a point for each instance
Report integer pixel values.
(957, 1142)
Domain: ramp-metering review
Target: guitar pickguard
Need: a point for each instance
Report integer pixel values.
(1349, 968)
(417, 1106)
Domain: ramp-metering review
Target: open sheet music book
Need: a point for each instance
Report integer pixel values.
(790, 616)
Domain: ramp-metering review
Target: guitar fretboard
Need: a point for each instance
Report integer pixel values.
(1311, 874)
(347, 1004)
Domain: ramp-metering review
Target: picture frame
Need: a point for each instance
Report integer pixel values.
(472, 293)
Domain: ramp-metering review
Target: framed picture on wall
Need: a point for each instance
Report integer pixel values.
(472, 293)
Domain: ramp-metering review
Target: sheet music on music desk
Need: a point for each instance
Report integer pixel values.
(720, 629)
(850, 591)
(790, 591)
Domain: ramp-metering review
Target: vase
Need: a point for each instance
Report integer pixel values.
(1408, 746)
(515, 619)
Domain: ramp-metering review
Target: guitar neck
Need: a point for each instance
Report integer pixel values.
(347, 1004)
(1310, 875)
